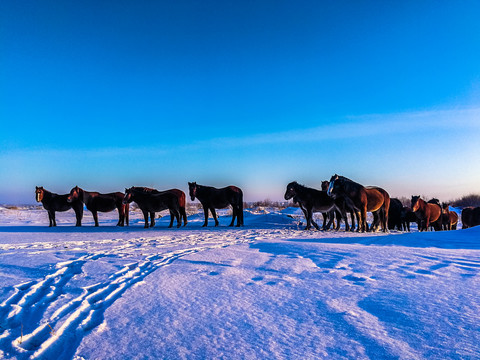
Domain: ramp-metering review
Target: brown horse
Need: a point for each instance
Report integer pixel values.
(470, 217)
(449, 218)
(212, 198)
(373, 199)
(426, 212)
(151, 201)
(95, 202)
(53, 202)
(310, 201)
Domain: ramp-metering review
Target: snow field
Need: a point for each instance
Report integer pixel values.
(268, 290)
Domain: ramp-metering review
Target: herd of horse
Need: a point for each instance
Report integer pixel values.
(337, 198)
(148, 200)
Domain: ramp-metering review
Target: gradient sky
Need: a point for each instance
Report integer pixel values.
(110, 94)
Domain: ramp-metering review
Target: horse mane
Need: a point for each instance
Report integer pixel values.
(347, 179)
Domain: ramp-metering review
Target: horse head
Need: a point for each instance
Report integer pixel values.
(128, 196)
(325, 185)
(445, 208)
(74, 194)
(415, 204)
(290, 192)
(335, 186)
(39, 192)
(192, 188)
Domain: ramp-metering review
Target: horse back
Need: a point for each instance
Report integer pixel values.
(180, 195)
(57, 203)
(104, 202)
(376, 198)
(434, 211)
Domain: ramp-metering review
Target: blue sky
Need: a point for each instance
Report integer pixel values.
(110, 94)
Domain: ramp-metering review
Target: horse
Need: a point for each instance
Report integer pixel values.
(95, 202)
(426, 212)
(53, 202)
(311, 200)
(213, 198)
(177, 192)
(373, 199)
(449, 218)
(151, 201)
(470, 217)
(396, 215)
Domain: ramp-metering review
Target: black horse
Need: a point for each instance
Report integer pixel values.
(151, 201)
(212, 198)
(372, 198)
(95, 202)
(310, 201)
(53, 202)
(396, 215)
(470, 217)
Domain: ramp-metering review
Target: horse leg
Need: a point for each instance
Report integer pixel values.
(121, 215)
(152, 218)
(339, 216)
(51, 215)
(240, 215)
(127, 211)
(364, 219)
(308, 217)
(178, 217)
(183, 214)
(95, 217)
(234, 215)
(214, 214)
(205, 212)
(325, 217)
(145, 216)
(78, 215)
(172, 215)
(330, 220)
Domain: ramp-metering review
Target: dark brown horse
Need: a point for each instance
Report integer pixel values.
(426, 212)
(470, 217)
(373, 199)
(151, 201)
(177, 192)
(344, 205)
(53, 202)
(96, 202)
(310, 201)
(212, 198)
(449, 218)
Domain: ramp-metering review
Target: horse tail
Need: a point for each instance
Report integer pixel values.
(182, 204)
(240, 207)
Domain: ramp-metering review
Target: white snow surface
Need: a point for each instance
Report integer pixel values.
(268, 290)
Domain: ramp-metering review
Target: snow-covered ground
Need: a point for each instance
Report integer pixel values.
(268, 290)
